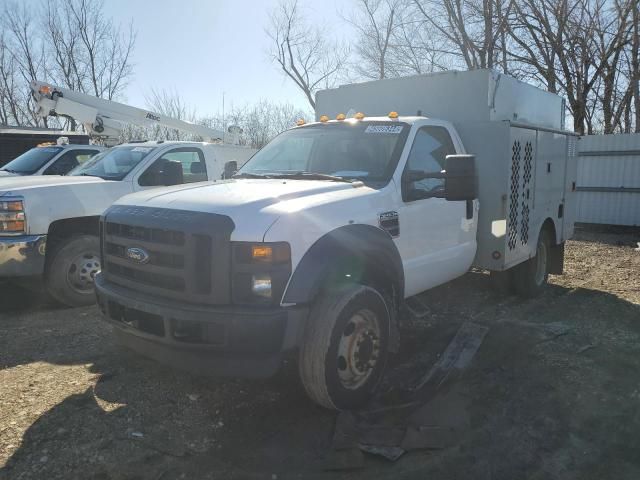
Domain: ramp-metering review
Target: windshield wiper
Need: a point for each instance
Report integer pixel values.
(9, 170)
(312, 176)
(250, 175)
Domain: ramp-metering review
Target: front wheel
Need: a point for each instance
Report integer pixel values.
(344, 352)
(74, 263)
(531, 276)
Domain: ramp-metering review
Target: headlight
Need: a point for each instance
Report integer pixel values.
(12, 218)
(260, 272)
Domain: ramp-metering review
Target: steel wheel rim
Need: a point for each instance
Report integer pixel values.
(82, 271)
(541, 263)
(359, 349)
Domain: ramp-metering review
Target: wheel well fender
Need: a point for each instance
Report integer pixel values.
(355, 253)
(68, 227)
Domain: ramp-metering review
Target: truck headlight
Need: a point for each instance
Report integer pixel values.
(260, 272)
(12, 217)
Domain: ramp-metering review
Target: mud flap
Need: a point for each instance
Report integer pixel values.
(556, 259)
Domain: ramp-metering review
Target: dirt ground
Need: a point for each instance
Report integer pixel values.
(553, 392)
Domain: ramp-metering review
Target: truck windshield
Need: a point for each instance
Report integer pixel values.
(32, 160)
(114, 164)
(366, 151)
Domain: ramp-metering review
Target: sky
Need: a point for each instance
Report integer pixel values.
(202, 48)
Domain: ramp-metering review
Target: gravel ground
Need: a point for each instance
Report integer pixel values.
(552, 393)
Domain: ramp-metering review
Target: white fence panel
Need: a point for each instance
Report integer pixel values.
(608, 181)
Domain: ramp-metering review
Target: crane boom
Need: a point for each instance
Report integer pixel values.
(105, 119)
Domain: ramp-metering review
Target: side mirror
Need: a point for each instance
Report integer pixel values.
(460, 179)
(230, 168)
(172, 173)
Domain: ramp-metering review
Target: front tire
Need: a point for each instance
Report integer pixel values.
(71, 270)
(344, 352)
(531, 277)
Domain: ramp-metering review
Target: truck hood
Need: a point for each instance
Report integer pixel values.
(18, 183)
(253, 205)
(51, 198)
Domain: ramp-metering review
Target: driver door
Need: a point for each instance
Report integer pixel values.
(431, 228)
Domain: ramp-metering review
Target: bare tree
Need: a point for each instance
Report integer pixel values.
(67, 42)
(568, 45)
(635, 63)
(302, 50)
(377, 22)
(474, 31)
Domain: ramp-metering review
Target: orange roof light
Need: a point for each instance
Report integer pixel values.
(45, 90)
(393, 115)
(324, 118)
(300, 122)
(260, 252)
(359, 116)
(341, 116)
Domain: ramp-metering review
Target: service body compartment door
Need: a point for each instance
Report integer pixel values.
(521, 236)
(551, 169)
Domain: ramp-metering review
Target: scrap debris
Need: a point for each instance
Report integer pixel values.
(367, 431)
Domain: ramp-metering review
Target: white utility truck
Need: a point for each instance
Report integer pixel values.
(317, 242)
(49, 225)
(50, 158)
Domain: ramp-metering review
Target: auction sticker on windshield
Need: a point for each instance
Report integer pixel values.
(395, 129)
(142, 149)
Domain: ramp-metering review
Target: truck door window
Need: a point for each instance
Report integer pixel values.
(428, 152)
(191, 159)
(69, 161)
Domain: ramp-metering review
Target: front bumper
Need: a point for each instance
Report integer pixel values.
(221, 340)
(22, 256)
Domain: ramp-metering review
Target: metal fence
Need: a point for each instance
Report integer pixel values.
(608, 182)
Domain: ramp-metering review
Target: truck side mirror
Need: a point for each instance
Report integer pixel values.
(172, 173)
(460, 178)
(230, 168)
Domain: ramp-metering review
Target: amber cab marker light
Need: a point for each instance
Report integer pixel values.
(259, 252)
(359, 116)
(324, 119)
(300, 122)
(341, 116)
(45, 90)
(393, 115)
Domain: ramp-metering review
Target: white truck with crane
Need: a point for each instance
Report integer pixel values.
(49, 224)
(317, 242)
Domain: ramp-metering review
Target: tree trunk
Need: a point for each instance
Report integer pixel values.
(635, 64)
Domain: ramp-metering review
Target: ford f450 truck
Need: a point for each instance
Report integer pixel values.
(49, 224)
(317, 241)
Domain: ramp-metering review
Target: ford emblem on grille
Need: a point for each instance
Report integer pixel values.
(138, 255)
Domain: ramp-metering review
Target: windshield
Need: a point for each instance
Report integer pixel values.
(366, 151)
(114, 164)
(32, 160)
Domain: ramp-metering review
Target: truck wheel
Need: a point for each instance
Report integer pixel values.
(531, 276)
(74, 263)
(344, 351)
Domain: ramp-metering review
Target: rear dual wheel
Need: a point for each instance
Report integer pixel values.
(529, 278)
